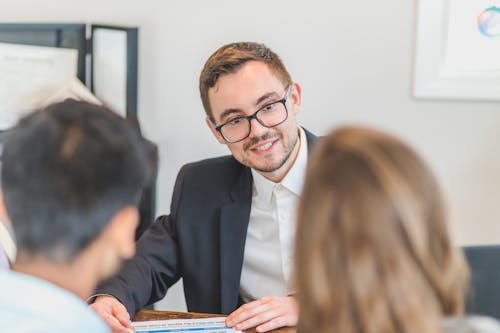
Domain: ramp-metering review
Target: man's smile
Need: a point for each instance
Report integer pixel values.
(264, 147)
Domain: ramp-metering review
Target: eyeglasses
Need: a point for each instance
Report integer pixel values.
(269, 115)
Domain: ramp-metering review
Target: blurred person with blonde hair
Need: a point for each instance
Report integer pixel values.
(373, 252)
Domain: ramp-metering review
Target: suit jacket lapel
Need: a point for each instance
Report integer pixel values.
(311, 140)
(234, 218)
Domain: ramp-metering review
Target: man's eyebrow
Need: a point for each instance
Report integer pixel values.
(228, 112)
(266, 97)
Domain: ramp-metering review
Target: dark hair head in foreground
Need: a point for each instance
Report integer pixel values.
(373, 250)
(66, 170)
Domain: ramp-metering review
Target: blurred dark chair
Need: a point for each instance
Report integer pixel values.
(484, 296)
(147, 204)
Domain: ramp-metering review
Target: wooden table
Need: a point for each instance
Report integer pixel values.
(145, 315)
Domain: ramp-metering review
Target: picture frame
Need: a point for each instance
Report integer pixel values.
(114, 67)
(435, 75)
(107, 58)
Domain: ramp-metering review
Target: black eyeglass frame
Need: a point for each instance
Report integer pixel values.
(254, 116)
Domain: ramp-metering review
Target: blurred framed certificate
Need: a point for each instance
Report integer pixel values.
(29, 75)
(37, 59)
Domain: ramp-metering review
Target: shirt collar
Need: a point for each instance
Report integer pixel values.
(7, 242)
(294, 179)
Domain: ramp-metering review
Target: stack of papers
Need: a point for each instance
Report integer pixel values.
(206, 325)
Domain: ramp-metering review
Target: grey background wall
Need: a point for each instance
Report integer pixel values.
(354, 60)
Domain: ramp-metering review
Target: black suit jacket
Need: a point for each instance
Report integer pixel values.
(202, 241)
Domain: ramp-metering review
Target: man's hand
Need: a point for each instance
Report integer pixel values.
(113, 313)
(267, 313)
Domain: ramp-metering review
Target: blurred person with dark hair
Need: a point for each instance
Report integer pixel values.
(373, 252)
(72, 175)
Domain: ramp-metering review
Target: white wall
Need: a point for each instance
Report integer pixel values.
(354, 60)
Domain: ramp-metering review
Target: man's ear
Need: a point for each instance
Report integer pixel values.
(217, 135)
(296, 97)
(121, 231)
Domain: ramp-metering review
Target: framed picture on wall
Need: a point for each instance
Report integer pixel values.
(39, 63)
(458, 50)
(114, 67)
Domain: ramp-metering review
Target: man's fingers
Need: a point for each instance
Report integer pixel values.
(257, 319)
(113, 313)
(125, 321)
(265, 314)
(245, 312)
(115, 325)
(121, 315)
(273, 324)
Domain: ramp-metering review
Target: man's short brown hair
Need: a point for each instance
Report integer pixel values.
(230, 58)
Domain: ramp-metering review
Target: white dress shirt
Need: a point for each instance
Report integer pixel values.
(268, 258)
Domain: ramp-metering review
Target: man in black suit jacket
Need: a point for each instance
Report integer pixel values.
(251, 105)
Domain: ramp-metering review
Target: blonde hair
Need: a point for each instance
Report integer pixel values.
(373, 254)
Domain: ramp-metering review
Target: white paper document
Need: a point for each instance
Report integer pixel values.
(29, 75)
(73, 88)
(205, 325)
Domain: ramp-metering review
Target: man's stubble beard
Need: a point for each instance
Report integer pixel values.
(269, 168)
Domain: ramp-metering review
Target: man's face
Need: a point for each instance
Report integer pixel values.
(270, 151)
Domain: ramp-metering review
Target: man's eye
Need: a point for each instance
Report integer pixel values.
(269, 107)
(235, 121)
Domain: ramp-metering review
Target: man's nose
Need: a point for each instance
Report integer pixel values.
(256, 128)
